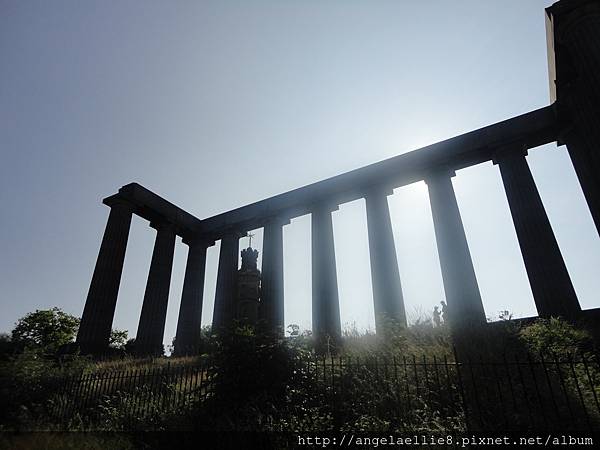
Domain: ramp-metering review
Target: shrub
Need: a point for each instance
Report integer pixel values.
(555, 336)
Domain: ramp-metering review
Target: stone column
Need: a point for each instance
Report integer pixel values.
(225, 294)
(272, 304)
(385, 277)
(326, 320)
(189, 324)
(587, 168)
(575, 42)
(550, 282)
(151, 328)
(460, 284)
(98, 313)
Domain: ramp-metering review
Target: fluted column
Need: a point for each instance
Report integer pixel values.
(223, 313)
(189, 324)
(460, 284)
(98, 313)
(151, 328)
(551, 285)
(272, 304)
(326, 320)
(576, 47)
(385, 276)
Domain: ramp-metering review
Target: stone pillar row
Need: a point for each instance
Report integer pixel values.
(551, 286)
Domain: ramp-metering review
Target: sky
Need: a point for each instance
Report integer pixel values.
(217, 104)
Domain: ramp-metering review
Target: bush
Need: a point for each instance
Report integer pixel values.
(254, 374)
(555, 336)
(29, 382)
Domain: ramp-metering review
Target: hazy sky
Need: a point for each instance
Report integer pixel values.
(217, 104)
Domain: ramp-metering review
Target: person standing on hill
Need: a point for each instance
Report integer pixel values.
(436, 316)
(444, 311)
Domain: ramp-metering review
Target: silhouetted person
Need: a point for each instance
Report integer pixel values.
(436, 316)
(444, 311)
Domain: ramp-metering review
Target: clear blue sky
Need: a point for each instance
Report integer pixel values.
(216, 104)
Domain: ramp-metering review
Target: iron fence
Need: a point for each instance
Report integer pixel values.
(517, 393)
(134, 394)
(506, 394)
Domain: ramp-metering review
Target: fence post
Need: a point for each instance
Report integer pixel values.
(462, 391)
(585, 413)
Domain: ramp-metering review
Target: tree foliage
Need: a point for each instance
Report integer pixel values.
(555, 336)
(45, 330)
(118, 339)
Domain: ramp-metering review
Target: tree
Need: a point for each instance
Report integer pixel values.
(49, 329)
(118, 339)
(45, 330)
(6, 345)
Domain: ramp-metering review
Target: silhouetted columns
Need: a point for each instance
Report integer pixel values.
(151, 328)
(326, 320)
(460, 284)
(98, 313)
(577, 54)
(550, 282)
(385, 277)
(187, 338)
(223, 313)
(272, 305)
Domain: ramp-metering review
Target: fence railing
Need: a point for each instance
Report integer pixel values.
(507, 394)
(134, 394)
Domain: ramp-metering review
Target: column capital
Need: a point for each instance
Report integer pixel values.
(377, 190)
(324, 206)
(162, 224)
(276, 220)
(118, 200)
(438, 172)
(231, 232)
(509, 152)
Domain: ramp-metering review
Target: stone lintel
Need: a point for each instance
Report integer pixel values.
(154, 208)
(377, 190)
(205, 241)
(276, 220)
(509, 152)
(117, 199)
(437, 172)
(533, 129)
(325, 206)
(158, 224)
